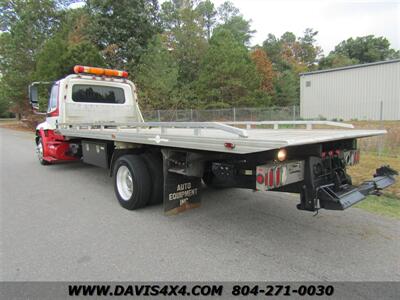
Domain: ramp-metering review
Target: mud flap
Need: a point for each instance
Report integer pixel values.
(181, 191)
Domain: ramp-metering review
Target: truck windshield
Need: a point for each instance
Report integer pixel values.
(97, 94)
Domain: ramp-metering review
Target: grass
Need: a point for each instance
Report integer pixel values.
(383, 205)
(366, 168)
(16, 125)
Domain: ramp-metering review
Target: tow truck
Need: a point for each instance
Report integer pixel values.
(93, 116)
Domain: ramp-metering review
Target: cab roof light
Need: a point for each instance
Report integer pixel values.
(100, 71)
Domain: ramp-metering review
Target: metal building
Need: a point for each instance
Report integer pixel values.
(364, 92)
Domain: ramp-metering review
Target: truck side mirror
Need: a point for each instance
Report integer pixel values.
(33, 92)
(33, 96)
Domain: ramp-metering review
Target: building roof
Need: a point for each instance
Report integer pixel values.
(352, 67)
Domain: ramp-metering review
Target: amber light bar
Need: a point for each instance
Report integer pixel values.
(100, 71)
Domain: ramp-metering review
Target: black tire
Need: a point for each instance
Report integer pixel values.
(155, 166)
(40, 147)
(140, 179)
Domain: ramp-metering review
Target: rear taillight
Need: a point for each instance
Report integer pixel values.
(260, 178)
(270, 178)
(278, 176)
(275, 177)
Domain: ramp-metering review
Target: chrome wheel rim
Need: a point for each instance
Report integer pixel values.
(39, 150)
(124, 183)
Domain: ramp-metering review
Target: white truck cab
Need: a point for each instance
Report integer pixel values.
(91, 99)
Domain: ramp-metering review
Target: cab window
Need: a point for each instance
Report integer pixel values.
(53, 98)
(97, 94)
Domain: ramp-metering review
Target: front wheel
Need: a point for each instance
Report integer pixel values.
(131, 182)
(39, 152)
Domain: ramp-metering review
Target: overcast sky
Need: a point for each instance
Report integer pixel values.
(335, 20)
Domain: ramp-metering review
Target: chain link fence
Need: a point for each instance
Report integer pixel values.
(225, 115)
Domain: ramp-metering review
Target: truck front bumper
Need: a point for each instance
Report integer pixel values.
(347, 195)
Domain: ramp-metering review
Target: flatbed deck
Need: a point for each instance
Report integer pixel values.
(212, 136)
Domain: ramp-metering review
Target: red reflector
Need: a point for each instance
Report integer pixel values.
(229, 145)
(277, 176)
(260, 178)
(271, 178)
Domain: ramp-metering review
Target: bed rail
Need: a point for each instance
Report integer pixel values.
(164, 126)
(308, 124)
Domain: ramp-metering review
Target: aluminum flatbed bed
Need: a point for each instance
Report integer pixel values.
(212, 136)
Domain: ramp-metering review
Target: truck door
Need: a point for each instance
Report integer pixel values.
(53, 110)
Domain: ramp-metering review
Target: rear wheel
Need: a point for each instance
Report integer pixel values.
(39, 152)
(131, 182)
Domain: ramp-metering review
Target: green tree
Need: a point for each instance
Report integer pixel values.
(122, 29)
(157, 77)
(291, 52)
(336, 61)
(208, 14)
(239, 28)
(290, 56)
(69, 46)
(286, 88)
(185, 37)
(227, 11)
(26, 25)
(4, 103)
(273, 48)
(366, 49)
(227, 76)
(49, 61)
(309, 52)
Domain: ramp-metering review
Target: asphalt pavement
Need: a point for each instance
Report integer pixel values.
(63, 222)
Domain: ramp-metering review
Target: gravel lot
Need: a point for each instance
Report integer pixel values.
(62, 222)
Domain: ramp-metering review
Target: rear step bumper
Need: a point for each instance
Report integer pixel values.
(349, 195)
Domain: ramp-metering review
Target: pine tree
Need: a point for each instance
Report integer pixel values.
(227, 76)
(157, 77)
